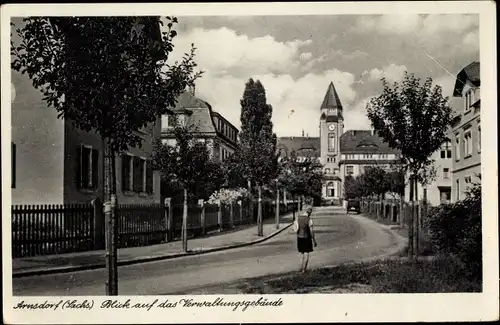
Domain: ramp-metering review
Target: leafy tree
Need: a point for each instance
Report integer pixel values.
(374, 178)
(107, 74)
(414, 119)
(256, 160)
(301, 178)
(395, 180)
(353, 187)
(187, 165)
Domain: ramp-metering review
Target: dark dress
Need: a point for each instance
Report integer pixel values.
(305, 245)
(304, 238)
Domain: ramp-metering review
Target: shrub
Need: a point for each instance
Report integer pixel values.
(455, 229)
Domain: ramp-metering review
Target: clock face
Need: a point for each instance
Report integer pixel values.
(331, 127)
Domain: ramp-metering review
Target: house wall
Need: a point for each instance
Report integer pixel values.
(463, 166)
(440, 181)
(39, 138)
(72, 194)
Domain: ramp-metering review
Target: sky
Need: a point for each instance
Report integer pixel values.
(296, 58)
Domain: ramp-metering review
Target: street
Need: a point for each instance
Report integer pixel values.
(340, 237)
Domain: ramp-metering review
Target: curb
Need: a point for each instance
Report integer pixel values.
(95, 266)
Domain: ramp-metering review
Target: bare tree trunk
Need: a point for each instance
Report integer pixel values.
(417, 221)
(277, 207)
(110, 217)
(401, 210)
(250, 195)
(260, 230)
(410, 222)
(184, 221)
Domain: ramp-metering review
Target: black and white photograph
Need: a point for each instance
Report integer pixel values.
(242, 162)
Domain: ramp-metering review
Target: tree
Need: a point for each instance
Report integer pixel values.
(107, 74)
(188, 166)
(413, 118)
(256, 160)
(353, 187)
(395, 180)
(301, 177)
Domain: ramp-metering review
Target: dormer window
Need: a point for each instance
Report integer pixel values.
(469, 99)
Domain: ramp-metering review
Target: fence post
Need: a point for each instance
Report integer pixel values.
(240, 203)
(201, 203)
(168, 218)
(231, 216)
(99, 238)
(219, 215)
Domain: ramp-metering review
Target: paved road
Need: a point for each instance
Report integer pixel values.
(340, 238)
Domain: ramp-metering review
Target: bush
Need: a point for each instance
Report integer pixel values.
(455, 229)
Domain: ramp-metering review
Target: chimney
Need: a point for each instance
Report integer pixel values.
(302, 132)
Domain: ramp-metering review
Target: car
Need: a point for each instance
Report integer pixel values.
(353, 205)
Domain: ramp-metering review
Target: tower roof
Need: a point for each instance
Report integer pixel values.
(331, 99)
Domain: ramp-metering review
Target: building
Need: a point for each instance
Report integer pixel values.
(331, 128)
(362, 148)
(208, 125)
(466, 131)
(439, 190)
(54, 163)
(341, 153)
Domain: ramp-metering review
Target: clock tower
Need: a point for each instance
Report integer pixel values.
(331, 127)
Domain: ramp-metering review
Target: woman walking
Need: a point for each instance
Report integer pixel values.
(303, 227)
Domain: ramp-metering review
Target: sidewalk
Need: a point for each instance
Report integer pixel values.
(49, 264)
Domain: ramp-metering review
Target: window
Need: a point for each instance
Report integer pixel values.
(467, 144)
(469, 99)
(446, 173)
(457, 147)
(468, 179)
(331, 142)
(167, 122)
(139, 174)
(87, 167)
(368, 156)
(446, 150)
(13, 164)
(349, 170)
(149, 177)
(126, 172)
(181, 119)
(383, 156)
(479, 139)
(458, 190)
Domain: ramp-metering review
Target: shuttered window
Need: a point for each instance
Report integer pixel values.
(126, 173)
(149, 178)
(87, 160)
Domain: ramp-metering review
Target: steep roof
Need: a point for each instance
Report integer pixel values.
(363, 141)
(331, 99)
(199, 112)
(187, 100)
(303, 146)
(471, 73)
